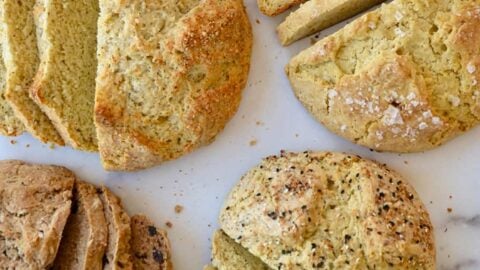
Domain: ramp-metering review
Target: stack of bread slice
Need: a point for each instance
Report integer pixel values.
(312, 16)
(170, 74)
(50, 219)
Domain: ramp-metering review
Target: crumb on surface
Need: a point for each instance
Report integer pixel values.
(178, 209)
(449, 210)
(257, 21)
(13, 142)
(253, 142)
(169, 224)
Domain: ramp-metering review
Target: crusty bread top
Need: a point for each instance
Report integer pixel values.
(327, 209)
(275, 7)
(117, 254)
(150, 245)
(21, 63)
(35, 203)
(170, 77)
(377, 83)
(64, 86)
(85, 236)
(229, 255)
(9, 124)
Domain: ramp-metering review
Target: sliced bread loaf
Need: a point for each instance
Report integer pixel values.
(10, 125)
(229, 255)
(85, 237)
(275, 7)
(170, 76)
(64, 86)
(150, 245)
(35, 203)
(21, 63)
(117, 255)
(329, 211)
(316, 15)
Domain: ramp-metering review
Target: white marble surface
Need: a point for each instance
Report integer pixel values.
(448, 177)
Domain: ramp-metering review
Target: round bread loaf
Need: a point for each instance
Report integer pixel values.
(329, 211)
(403, 78)
(170, 76)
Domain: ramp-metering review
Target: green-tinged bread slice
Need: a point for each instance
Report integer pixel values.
(316, 15)
(229, 255)
(275, 7)
(64, 86)
(21, 63)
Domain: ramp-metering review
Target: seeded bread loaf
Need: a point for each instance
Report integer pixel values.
(64, 86)
(228, 255)
(150, 245)
(402, 78)
(85, 237)
(275, 7)
(35, 203)
(21, 63)
(170, 76)
(10, 125)
(117, 254)
(329, 210)
(316, 15)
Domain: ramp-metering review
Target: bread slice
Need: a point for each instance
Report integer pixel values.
(117, 255)
(85, 237)
(329, 210)
(170, 76)
(374, 84)
(229, 255)
(21, 63)
(316, 15)
(64, 86)
(275, 7)
(35, 203)
(10, 125)
(150, 245)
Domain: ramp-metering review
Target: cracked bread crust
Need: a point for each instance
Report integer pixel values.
(35, 203)
(163, 94)
(403, 78)
(117, 255)
(150, 245)
(316, 210)
(84, 239)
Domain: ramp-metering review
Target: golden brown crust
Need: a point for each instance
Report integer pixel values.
(190, 88)
(29, 194)
(372, 84)
(329, 209)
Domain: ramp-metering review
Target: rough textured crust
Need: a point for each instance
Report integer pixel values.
(329, 210)
(275, 7)
(117, 255)
(316, 15)
(20, 48)
(10, 125)
(85, 236)
(35, 203)
(377, 83)
(163, 94)
(150, 245)
(64, 86)
(228, 255)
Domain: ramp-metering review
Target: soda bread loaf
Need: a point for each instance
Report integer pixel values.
(275, 7)
(10, 125)
(150, 245)
(85, 236)
(64, 86)
(35, 203)
(402, 78)
(316, 15)
(117, 254)
(21, 63)
(329, 210)
(228, 255)
(170, 76)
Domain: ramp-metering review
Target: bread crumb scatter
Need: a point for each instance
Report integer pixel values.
(178, 209)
